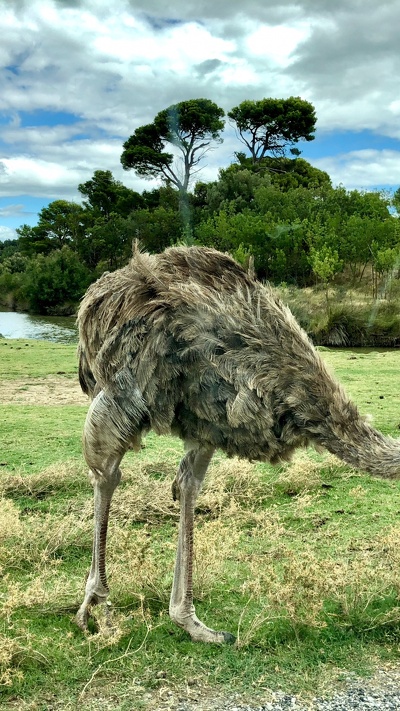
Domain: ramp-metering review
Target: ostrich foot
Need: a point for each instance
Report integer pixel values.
(84, 613)
(198, 631)
(82, 618)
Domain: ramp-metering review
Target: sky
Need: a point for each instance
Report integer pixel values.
(78, 77)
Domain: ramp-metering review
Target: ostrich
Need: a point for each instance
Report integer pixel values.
(188, 343)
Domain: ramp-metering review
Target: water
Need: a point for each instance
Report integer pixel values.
(61, 329)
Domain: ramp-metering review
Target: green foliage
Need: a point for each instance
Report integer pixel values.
(8, 248)
(11, 291)
(325, 262)
(106, 243)
(324, 258)
(54, 280)
(396, 200)
(144, 153)
(285, 173)
(164, 196)
(242, 255)
(277, 210)
(294, 233)
(343, 317)
(32, 241)
(156, 229)
(189, 126)
(189, 121)
(235, 188)
(60, 223)
(226, 230)
(288, 173)
(385, 260)
(272, 125)
(14, 264)
(105, 195)
(288, 260)
(12, 270)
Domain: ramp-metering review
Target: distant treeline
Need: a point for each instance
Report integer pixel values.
(281, 211)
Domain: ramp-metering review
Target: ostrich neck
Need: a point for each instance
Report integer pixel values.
(347, 435)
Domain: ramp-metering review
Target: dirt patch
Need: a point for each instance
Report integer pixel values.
(52, 390)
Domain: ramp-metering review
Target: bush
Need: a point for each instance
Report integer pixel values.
(357, 327)
(55, 282)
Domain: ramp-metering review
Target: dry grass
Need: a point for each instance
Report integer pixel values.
(294, 585)
(10, 523)
(60, 477)
(51, 390)
(245, 543)
(233, 502)
(147, 496)
(11, 653)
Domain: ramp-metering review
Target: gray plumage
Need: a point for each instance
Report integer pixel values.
(187, 342)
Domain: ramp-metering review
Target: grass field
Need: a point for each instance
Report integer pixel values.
(301, 563)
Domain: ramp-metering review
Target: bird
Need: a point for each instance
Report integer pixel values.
(189, 343)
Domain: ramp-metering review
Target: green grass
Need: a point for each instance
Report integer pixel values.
(301, 563)
(371, 378)
(33, 435)
(20, 358)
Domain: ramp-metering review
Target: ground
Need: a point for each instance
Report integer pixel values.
(51, 390)
(316, 509)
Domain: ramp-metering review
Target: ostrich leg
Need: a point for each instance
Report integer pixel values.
(186, 487)
(96, 591)
(105, 443)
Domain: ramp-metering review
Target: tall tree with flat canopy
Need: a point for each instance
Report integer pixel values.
(189, 126)
(273, 125)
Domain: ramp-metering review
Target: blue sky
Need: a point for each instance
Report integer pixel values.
(78, 78)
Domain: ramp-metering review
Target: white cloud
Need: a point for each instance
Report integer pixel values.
(362, 169)
(276, 42)
(7, 233)
(62, 168)
(115, 65)
(11, 210)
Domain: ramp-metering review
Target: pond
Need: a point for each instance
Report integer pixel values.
(61, 329)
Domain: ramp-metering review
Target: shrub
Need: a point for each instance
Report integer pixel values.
(55, 280)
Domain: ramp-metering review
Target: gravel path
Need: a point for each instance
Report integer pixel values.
(382, 692)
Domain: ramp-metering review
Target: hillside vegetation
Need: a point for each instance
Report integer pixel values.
(282, 213)
(277, 212)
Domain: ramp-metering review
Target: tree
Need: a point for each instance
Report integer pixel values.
(30, 242)
(158, 228)
(285, 173)
(108, 242)
(273, 125)
(106, 195)
(189, 126)
(384, 263)
(396, 200)
(325, 263)
(235, 188)
(7, 248)
(56, 280)
(60, 223)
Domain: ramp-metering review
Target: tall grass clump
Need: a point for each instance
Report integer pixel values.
(346, 317)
